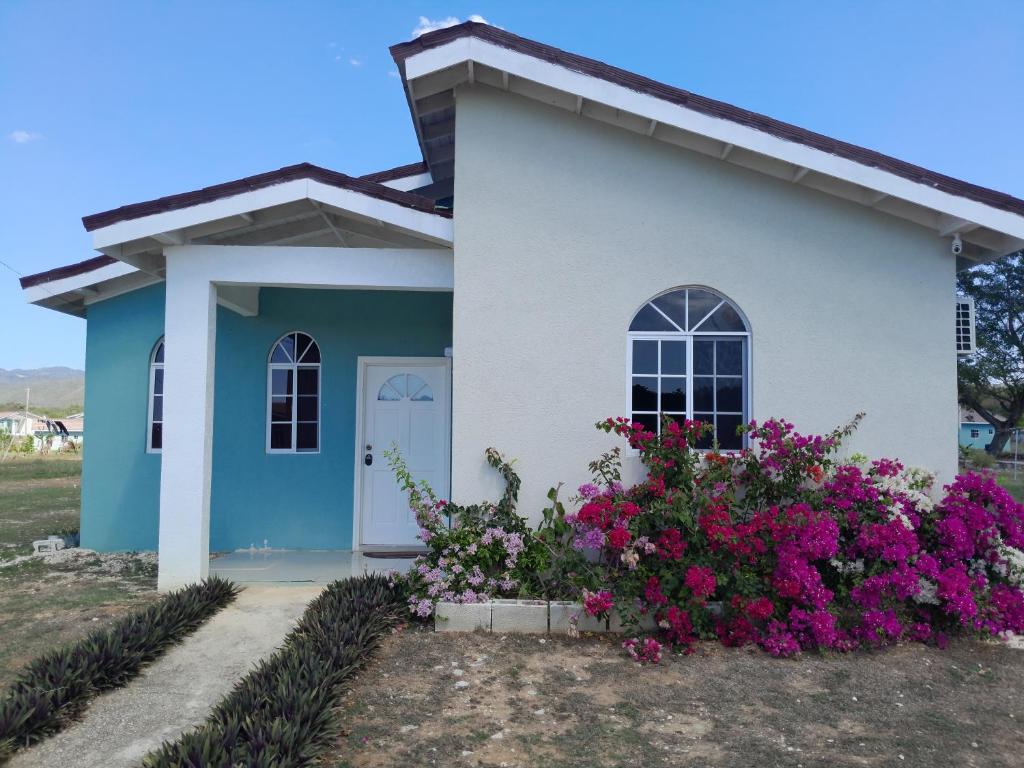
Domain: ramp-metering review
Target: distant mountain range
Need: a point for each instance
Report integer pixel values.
(51, 387)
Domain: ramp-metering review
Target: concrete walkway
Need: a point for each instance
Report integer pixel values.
(177, 691)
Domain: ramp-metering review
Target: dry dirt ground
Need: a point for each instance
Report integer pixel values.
(489, 700)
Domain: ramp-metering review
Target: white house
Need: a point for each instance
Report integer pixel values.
(578, 242)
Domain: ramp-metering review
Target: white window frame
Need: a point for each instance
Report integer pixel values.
(153, 366)
(690, 337)
(294, 367)
(975, 433)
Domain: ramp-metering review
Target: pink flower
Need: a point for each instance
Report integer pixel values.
(597, 603)
(700, 581)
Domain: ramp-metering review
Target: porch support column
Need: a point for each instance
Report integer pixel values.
(190, 332)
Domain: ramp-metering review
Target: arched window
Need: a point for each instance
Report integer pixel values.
(403, 385)
(155, 420)
(688, 357)
(293, 395)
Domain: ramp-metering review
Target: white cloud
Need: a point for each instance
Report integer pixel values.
(356, 62)
(432, 25)
(393, 73)
(23, 137)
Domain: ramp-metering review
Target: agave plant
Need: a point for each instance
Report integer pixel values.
(55, 688)
(281, 713)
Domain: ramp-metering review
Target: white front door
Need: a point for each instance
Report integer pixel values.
(404, 404)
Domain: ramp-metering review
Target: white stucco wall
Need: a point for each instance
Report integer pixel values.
(564, 227)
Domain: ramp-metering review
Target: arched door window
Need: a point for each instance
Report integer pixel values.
(293, 395)
(155, 421)
(688, 358)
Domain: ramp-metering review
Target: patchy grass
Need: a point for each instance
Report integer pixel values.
(558, 702)
(38, 497)
(1014, 483)
(46, 604)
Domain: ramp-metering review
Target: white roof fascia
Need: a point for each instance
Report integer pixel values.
(407, 183)
(617, 96)
(56, 288)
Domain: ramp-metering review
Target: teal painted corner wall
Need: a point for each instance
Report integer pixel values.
(301, 501)
(120, 481)
(304, 501)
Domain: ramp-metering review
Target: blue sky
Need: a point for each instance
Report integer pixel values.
(105, 103)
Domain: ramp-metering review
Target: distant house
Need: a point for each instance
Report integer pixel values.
(20, 424)
(975, 432)
(58, 431)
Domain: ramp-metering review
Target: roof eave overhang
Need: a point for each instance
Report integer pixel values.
(432, 73)
(133, 240)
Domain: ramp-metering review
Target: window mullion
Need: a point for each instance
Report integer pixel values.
(689, 372)
(295, 406)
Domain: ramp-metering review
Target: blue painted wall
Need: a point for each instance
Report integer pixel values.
(304, 500)
(120, 481)
(291, 500)
(985, 434)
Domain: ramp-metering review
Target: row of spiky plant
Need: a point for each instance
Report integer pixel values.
(56, 687)
(281, 714)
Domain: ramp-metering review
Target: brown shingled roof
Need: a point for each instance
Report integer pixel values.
(67, 271)
(401, 172)
(250, 183)
(710, 107)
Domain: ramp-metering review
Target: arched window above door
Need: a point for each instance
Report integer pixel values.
(406, 385)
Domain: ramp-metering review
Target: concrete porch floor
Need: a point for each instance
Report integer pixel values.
(300, 566)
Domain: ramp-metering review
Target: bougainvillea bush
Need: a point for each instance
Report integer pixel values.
(474, 553)
(786, 546)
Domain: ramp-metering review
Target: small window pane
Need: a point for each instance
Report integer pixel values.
(645, 357)
(158, 356)
(399, 384)
(281, 382)
(307, 409)
(157, 436)
(725, 319)
(704, 418)
(158, 408)
(703, 356)
(649, 420)
(729, 358)
(730, 394)
(306, 437)
(308, 381)
(727, 437)
(645, 393)
(701, 303)
(158, 381)
(673, 357)
(425, 395)
(312, 354)
(673, 393)
(649, 319)
(415, 385)
(284, 352)
(388, 393)
(703, 393)
(281, 436)
(302, 342)
(674, 305)
(281, 409)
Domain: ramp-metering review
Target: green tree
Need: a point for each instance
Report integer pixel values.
(992, 380)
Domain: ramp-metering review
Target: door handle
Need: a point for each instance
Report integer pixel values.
(368, 459)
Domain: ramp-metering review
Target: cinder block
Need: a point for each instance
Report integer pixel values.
(562, 612)
(462, 617)
(647, 623)
(519, 616)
